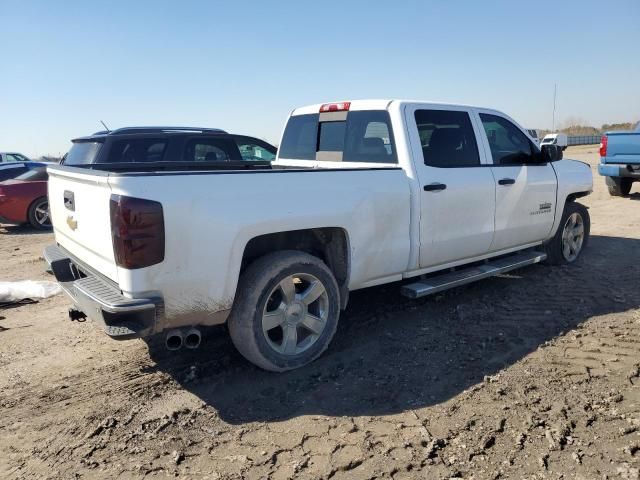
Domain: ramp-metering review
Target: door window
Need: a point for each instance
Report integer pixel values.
(447, 138)
(509, 145)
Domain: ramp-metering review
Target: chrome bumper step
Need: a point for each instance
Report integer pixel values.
(101, 300)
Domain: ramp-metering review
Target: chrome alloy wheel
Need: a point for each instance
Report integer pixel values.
(295, 314)
(41, 214)
(572, 237)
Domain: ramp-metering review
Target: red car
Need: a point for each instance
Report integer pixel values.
(24, 199)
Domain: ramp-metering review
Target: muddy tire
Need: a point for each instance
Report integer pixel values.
(618, 187)
(38, 214)
(572, 235)
(286, 310)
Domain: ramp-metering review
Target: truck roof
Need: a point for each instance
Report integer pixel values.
(377, 104)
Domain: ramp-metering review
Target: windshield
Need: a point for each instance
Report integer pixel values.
(82, 153)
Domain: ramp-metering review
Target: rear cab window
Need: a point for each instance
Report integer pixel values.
(363, 136)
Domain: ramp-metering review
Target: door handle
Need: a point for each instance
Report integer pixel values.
(506, 181)
(434, 187)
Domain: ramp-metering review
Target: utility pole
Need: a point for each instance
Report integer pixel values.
(553, 120)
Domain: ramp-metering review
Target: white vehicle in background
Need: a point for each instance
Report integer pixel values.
(559, 139)
(534, 136)
(361, 193)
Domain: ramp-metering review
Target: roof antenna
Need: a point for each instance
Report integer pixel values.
(105, 126)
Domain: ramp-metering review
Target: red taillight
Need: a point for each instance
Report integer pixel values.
(603, 146)
(335, 107)
(137, 231)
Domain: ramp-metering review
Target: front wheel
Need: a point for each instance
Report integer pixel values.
(286, 310)
(38, 214)
(572, 235)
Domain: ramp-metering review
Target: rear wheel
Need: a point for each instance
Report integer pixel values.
(286, 311)
(572, 235)
(618, 186)
(38, 214)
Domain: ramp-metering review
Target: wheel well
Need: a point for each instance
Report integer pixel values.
(574, 196)
(329, 244)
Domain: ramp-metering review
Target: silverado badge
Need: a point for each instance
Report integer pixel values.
(544, 208)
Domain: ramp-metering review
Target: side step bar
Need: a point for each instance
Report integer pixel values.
(444, 281)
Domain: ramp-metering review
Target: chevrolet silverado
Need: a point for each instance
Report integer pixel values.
(361, 193)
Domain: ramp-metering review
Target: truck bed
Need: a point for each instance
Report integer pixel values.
(210, 216)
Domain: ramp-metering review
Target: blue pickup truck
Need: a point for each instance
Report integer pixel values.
(620, 160)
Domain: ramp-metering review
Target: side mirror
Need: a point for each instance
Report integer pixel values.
(551, 153)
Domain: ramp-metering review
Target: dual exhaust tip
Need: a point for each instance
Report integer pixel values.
(177, 338)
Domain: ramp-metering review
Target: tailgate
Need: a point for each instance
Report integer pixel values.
(79, 205)
(623, 147)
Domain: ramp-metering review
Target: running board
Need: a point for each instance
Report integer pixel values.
(448, 280)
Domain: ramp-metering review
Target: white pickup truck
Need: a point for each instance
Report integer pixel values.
(361, 193)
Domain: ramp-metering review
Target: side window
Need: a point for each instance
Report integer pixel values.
(211, 150)
(509, 145)
(447, 138)
(255, 152)
(10, 157)
(137, 150)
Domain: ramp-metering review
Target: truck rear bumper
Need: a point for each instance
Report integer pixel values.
(102, 301)
(619, 170)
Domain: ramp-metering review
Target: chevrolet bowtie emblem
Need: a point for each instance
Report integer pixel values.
(73, 224)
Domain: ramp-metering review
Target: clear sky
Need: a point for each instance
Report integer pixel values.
(243, 65)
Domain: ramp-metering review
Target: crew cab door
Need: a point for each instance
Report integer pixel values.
(457, 194)
(525, 187)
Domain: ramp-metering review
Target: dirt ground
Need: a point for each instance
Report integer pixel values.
(531, 375)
